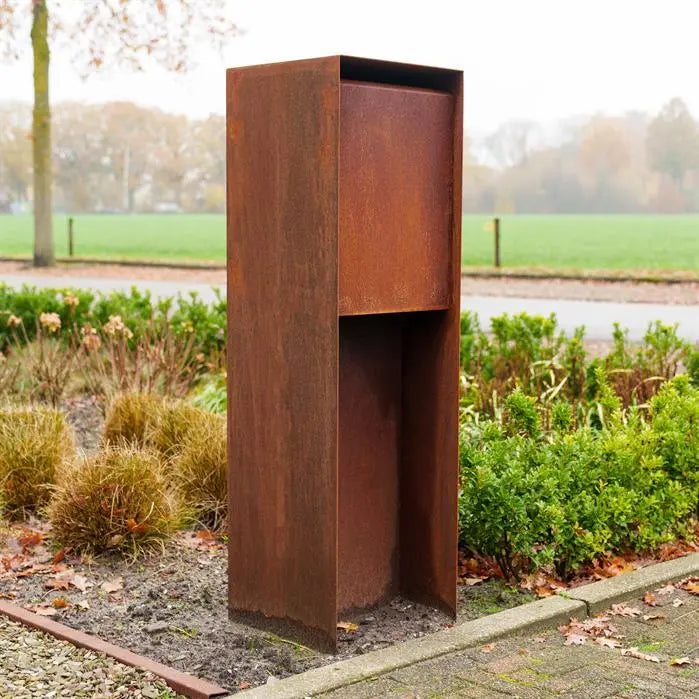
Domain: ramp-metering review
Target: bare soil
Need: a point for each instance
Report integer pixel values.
(172, 607)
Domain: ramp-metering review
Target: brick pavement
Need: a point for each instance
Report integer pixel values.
(540, 665)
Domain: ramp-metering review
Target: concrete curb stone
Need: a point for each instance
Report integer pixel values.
(601, 595)
(578, 602)
(544, 612)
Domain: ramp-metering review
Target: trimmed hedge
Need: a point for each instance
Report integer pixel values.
(532, 497)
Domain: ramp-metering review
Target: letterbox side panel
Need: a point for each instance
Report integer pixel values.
(429, 469)
(369, 455)
(395, 198)
(282, 150)
(429, 476)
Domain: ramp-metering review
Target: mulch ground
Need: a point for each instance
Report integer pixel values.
(172, 607)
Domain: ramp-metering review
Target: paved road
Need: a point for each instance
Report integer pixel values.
(597, 316)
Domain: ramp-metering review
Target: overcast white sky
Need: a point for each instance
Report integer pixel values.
(537, 59)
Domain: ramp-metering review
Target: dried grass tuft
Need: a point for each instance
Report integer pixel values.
(35, 446)
(129, 418)
(200, 470)
(170, 429)
(118, 500)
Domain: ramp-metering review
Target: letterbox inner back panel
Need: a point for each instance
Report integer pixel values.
(395, 208)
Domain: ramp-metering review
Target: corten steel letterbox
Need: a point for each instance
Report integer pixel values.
(344, 230)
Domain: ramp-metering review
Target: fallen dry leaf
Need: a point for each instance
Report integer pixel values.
(243, 685)
(81, 583)
(598, 627)
(650, 599)
(692, 587)
(608, 642)
(665, 590)
(677, 602)
(652, 617)
(33, 570)
(70, 577)
(60, 603)
(30, 540)
(347, 626)
(111, 586)
(625, 610)
(488, 648)
(635, 653)
(470, 582)
(57, 585)
(60, 555)
(82, 604)
(609, 568)
(680, 661)
(44, 611)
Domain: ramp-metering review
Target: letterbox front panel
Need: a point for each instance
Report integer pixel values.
(395, 194)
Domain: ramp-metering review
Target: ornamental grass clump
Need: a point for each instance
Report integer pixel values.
(35, 446)
(200, 471)
(130, 417)
(171, 426)
(117, 500)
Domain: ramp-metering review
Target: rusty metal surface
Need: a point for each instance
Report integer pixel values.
(181, 682)
(282, 123)
(368, 460)
(395, 198)
(342, 422)
(429, 515)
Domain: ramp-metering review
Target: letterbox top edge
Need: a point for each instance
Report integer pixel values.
(369, 70)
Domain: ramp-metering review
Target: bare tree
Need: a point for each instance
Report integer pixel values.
(673, 141)
(107, 33)
(512, 142)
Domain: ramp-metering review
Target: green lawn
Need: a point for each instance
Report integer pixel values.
(138, 236)
(570, 242)
(586, 241)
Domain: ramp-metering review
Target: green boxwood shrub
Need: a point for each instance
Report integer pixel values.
(531, 497)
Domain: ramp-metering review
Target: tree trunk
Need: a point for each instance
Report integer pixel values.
(44, 255)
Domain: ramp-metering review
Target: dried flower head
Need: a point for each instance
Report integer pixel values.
(116, 325)
(14, 321)
(50, 321)
(91, 340)
(71, 300)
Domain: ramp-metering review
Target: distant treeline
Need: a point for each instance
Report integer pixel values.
(117, 157)
(122, 157)
(633, 163)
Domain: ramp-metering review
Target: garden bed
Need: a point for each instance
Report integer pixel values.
(576, 463)
(171, 606)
